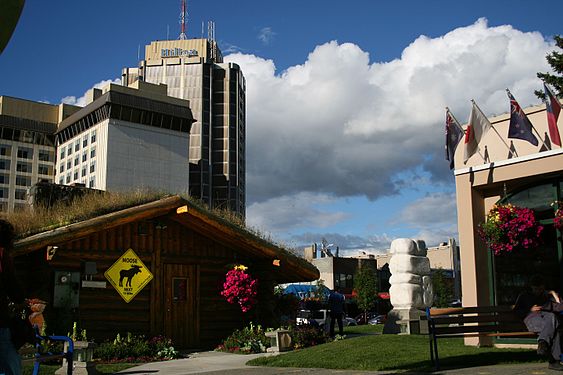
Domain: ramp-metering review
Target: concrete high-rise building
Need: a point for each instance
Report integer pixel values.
(27, 146)
(193, 69)
(126, 138)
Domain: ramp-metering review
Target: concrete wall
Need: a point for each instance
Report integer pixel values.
(439, 256)
(147, 157)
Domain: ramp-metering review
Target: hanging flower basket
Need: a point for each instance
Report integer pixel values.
(558, 219)
(239, 287)
(508, 228)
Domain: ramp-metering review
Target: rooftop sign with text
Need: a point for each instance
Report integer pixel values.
(178, 52)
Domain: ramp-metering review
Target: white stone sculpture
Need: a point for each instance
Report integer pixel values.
(411, 286)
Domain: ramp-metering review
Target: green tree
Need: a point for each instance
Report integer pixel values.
(443, 288)
(318, 291)
(555, 60)
(365, 285)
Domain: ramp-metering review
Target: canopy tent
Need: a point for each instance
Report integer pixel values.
(305, 290)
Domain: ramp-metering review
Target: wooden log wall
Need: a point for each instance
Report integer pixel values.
(103, 313)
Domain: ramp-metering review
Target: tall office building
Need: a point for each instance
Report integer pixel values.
(193, 69)
(27, 146)
(126, 138)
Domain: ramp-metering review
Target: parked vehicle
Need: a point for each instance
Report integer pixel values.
(379, 319)
(361, 318)
(315, 317)
(321, 318)
(348, 321)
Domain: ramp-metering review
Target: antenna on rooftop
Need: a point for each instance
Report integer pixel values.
(211, 31)
(211, 39)
(183, 20)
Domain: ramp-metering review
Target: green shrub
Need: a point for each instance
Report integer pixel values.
(136, 348)
(305, 335)
(285, 308)
(251, 339)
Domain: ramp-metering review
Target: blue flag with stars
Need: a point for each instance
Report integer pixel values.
(454, 133)
(520, 126)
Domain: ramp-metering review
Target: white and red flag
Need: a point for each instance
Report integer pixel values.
(553, 107)
(477, 127)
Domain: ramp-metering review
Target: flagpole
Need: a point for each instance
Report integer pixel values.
(513, 152)
(463, 131)
(455, 120)
(537, 133)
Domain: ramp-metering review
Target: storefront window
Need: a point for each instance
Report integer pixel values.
(512, 272)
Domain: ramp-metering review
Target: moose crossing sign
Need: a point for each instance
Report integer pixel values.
(128, 275)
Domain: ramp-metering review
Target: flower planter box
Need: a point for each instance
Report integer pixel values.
(82, 359)
(280, 341)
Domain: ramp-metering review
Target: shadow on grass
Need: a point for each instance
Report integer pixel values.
(472, 360)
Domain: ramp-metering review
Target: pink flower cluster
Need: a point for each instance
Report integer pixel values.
(510, 227)
(239, 287)
(558, 219)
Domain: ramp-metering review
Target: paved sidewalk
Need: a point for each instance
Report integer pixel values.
(218, 363)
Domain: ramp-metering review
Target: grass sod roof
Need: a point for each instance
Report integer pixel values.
(292, 267)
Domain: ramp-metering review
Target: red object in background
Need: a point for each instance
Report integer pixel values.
(383, 295)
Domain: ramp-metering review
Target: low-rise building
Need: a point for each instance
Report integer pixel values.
(508, 170)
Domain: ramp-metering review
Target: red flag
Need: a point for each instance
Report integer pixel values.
(553, 107)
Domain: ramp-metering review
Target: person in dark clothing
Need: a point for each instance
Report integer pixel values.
(336, 306)
(10, 290)
(539, 309)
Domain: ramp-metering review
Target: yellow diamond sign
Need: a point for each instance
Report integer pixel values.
(128, 275)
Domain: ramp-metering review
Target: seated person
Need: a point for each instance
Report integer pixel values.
(539, 309)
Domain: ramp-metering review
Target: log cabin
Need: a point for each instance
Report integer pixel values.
(188, 251)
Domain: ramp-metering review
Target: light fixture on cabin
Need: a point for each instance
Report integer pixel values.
(90, 269)
(50, 253)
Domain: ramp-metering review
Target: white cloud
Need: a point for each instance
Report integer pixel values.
(434, 218)
(266, 35)
(285, 213)
(340, 125)
(435, 208)
(81, 101)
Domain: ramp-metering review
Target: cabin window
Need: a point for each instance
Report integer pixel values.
(180, 289)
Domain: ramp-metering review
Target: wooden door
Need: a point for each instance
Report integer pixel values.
(181, 311)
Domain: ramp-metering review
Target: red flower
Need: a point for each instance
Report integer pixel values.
(558, 219)
(239, 287)
(509, 227)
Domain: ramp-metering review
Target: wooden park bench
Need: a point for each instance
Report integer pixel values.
(484, 321)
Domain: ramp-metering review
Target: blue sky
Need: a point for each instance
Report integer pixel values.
(345, 99)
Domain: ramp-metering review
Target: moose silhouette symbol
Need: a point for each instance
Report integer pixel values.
(129, 274)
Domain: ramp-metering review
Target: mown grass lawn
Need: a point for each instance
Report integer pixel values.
(393, 352)
(363, 329)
